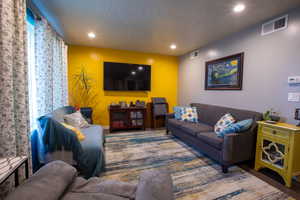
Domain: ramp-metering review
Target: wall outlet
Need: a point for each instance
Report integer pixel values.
(294, 97)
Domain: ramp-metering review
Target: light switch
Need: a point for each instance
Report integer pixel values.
(294, 97)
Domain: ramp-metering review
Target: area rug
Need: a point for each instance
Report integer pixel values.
(194, 175)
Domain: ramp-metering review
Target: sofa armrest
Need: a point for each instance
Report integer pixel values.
(155, 185)
(170, 116)
(238, 147)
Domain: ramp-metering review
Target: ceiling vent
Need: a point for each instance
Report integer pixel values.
(194, 54)
(275, 25)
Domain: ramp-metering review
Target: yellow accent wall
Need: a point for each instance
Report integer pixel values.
(164, 77)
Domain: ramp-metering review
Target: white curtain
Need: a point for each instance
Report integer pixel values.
(14, 113)
(50, 69)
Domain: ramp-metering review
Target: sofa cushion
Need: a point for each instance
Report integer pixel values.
(48, 183)
(211, 138)
(194, 128)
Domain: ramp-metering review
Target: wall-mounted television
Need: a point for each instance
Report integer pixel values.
(127, 77)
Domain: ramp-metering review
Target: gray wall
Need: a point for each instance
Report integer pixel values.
(269, 60)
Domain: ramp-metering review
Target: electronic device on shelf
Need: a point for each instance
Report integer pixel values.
(297, 115)
(139, 103)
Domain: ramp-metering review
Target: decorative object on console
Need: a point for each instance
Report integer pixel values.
(225, 73)
(297, 115)
(131, 104)
(270, 116)
(139, 103)
(123, 104)
(159, 109)
(277, 148)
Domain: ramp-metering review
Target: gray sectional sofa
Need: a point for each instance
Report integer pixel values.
(59, 180)
(232, 149)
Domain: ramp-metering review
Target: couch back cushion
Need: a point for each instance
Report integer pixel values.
(210, 114)
(59, 113)
(48, 183)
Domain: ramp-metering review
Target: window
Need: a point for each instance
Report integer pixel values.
(31, 69)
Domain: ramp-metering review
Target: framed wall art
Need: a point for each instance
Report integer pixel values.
(225, 73)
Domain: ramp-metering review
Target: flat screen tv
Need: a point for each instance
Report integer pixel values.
(127, 77)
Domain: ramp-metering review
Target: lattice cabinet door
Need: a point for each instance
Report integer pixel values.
(274, 153)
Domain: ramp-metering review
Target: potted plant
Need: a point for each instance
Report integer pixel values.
(271, 115)
(83, 96)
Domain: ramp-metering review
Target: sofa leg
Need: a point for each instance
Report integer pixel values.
(224, 169)
(167, 132)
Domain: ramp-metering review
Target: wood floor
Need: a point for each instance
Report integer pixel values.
(273, 179)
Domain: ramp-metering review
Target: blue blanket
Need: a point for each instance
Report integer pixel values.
(53, 136)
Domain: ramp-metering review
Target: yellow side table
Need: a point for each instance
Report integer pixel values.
(278, 148)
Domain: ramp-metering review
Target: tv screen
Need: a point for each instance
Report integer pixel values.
(127, 77)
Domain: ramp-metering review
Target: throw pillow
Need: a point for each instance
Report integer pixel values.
(177, 112)
(237, 127)
(223, 123)
(76, 119)
(189, 114)
(79, 135)
(244, 125)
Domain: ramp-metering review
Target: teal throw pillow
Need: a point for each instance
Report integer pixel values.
(177, 112)
(238, 127)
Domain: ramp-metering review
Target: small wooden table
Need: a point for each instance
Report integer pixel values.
(127, 118)
(11, 165)
(278, 147)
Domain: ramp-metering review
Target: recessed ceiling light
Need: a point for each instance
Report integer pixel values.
(173, 46)
(91, 35)
(239, 8)
(133, 72)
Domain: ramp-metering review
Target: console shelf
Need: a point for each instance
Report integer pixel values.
(127, 118)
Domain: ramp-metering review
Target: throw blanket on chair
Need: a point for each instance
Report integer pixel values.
(88, 154)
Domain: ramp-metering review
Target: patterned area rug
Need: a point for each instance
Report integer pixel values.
(194, 175)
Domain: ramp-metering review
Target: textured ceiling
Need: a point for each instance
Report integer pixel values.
(152, 25)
